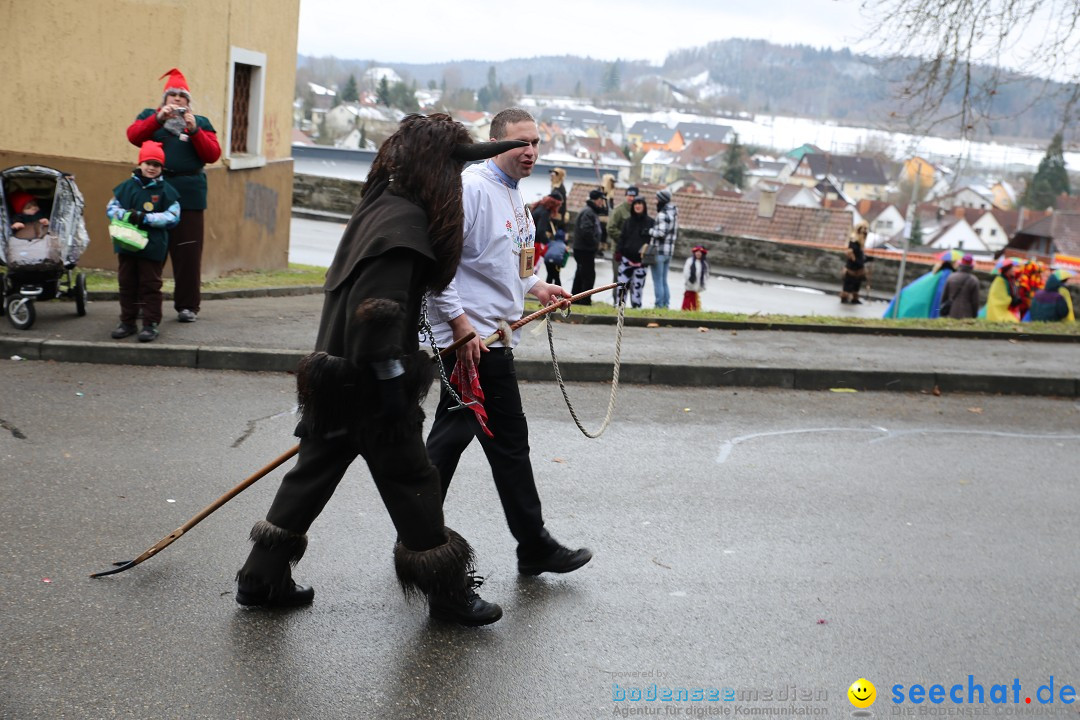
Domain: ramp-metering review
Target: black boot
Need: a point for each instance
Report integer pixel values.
(470, 610)
(266, 578)
(444, 575)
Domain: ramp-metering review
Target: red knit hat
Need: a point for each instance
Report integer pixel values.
(151, 150)
(19, 199)
(176, 83)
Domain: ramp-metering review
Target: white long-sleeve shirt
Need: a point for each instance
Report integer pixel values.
(487, 287)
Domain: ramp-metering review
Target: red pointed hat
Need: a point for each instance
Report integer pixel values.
(176, 83)
(151, 150)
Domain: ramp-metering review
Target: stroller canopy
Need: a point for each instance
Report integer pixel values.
(60, 196)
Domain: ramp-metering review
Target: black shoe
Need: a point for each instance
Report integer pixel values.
(473, 611)
(186, 316)
(560, 560)
(149, 333)
(123, 330)
(288, 595)
(856, 301)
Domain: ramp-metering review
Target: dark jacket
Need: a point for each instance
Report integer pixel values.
(961, 294)
(149, 197)
(545, 224)
(1048, 304)
(587, 230)
(371, 309)
(635, 233)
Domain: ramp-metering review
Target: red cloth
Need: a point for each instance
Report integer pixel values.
(691, 301)
(471, 392)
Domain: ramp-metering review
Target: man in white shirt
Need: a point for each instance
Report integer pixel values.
(496, 271)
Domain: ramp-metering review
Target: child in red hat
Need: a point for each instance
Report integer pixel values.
(26, 213)
(149, 202)
(695, 274)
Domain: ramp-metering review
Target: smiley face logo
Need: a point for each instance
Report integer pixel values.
(862, 693)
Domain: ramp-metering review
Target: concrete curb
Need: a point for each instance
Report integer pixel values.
(271, 360)
(802, 378)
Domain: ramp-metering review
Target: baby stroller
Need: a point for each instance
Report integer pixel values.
(36, 262)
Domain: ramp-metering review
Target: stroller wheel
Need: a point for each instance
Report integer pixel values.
(80, 294)
(21, 312)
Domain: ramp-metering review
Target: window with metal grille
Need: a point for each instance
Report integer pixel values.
(241, 102)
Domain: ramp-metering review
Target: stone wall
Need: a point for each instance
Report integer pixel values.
(812, 263)
(326, 194)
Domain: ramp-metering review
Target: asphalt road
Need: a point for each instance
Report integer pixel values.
(746, 539)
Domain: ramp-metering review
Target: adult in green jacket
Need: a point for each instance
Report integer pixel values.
(190, 143)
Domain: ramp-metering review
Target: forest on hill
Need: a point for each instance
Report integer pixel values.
(721, 78)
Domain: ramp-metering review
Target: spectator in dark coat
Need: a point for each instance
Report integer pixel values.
(587, 235)
(960, 299)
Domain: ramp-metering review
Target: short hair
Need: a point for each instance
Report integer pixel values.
(509, 116)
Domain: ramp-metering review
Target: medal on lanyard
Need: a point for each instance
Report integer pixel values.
(526, 251)
(527, 264)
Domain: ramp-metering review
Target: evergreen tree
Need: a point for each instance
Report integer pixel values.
(383, 93)
(1050, 179)
(529, 85)
(734, 170)
(916, 232)
(350, 93)
(612, 79)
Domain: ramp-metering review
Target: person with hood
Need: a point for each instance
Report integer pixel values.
(633, 239)
(695, 275)
(360, 392)
(961, 296)
(1002, 300)
(490, 286)
(1053, 303)
(190, 143)
(664, 233)
(922, 297)
(587, 237)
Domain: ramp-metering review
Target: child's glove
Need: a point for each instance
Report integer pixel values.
(135, 217)
(17, 226)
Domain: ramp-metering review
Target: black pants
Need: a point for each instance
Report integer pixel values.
(553, 270)
(140, 288)
(185, 251)
(507, 452)
(585, 276)
(407, 482)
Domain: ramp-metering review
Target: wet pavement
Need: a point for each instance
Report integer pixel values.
(774, 544)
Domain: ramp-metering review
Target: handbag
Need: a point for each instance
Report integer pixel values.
(128, 236)
(648, 255)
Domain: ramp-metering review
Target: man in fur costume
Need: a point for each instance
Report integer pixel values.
(360, 392)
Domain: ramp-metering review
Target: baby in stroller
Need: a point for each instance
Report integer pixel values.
(27, 218)
(42, 236)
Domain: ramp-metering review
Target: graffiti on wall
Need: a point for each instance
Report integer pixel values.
(261, 205)
(270, 135)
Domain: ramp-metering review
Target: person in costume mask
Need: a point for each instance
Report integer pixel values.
(360, 392)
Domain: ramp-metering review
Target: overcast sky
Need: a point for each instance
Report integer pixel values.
(421, 31)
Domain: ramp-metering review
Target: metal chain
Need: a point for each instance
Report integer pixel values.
(425, 329)
(621, 304)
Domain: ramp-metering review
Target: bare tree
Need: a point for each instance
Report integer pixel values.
(971, 49)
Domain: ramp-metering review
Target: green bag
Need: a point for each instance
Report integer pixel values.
(128, 236)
